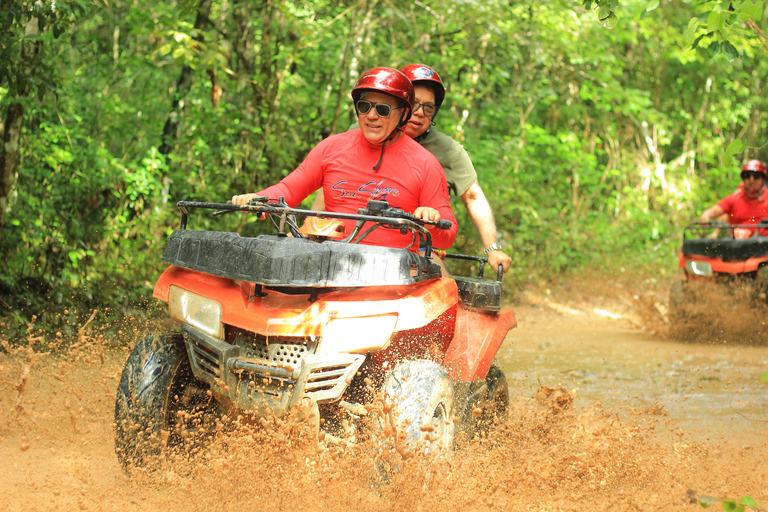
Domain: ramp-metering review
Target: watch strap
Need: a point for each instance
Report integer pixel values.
(495, 246)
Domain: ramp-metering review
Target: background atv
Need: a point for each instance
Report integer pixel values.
(317, 323)
(733, 255)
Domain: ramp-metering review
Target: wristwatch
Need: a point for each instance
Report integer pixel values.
(495, 246)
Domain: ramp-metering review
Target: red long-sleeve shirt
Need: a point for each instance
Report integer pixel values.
(409, 176)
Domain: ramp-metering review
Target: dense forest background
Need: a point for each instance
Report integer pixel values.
(598, 128)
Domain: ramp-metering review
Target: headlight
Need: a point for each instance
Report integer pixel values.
(698, 268)
(196, 310)
(357, 335)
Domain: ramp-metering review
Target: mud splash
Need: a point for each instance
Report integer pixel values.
(574, 437)
(713, 312)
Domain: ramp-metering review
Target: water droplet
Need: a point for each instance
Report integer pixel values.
(610, 22)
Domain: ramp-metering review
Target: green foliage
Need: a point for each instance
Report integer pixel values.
(728, 505)
(591, 144)
(720, 26)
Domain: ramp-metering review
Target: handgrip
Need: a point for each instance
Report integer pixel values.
(443, 224)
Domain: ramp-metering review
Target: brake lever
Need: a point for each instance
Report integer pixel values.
(256, 201)
(224, 212)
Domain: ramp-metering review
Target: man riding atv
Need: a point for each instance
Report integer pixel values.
(749, 204)
(352, 167)
(735, 253)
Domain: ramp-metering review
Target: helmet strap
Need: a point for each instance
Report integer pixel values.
(383, 145)
(424, 135)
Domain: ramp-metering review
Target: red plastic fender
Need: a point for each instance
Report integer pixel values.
(723, 267)
(476, 339)
(278, 314)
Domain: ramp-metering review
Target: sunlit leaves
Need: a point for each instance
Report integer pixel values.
(541, 96)
(751, 10)
(729, 505)
(736, 146)
(749, 501)
(714, 21)
(690, 30)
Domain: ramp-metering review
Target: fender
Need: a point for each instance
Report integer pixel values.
(477, 338)
(280, 314)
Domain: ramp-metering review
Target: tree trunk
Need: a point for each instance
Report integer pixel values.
(183, 86)
(357, 30)
(9, 155)
(9, 152)
(264, 82)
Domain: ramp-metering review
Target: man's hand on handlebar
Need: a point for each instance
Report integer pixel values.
(496, 258)
(426, 213)
(244, 199)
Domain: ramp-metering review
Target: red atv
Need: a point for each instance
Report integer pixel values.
(722, 253)
(311, 319)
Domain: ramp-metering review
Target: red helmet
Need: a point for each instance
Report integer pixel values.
(755, 165)
(421, 74)
(389, 81)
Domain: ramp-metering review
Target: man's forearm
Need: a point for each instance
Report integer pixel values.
(480, 214)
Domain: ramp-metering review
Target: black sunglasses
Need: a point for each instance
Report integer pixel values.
(428, 108)
(382, 109)
(752, 174)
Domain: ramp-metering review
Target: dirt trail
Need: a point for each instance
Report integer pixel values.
(603, 416)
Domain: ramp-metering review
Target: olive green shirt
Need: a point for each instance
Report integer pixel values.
(459, 172)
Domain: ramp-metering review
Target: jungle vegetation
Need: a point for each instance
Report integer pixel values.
(598, 128)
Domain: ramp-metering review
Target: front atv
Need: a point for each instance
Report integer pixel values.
(314, 322)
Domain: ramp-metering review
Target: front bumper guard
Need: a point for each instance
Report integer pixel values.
(267, 387)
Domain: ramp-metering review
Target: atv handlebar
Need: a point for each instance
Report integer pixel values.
(381, 208)
(480, 259)
(377, 212)
(761, 229)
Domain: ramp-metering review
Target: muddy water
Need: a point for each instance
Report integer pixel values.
(603, 417)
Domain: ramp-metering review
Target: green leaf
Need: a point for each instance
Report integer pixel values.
(732, 506)
(736, 146)
(651, 5)
(729, 50)
(605, 11)
(164, 49)
(750, 10)
(749, 500)
(764, 377)
(759, 10)
(714, 21)
(713, 49)
(707, 501)
(696, 42)
(610, 22)
(690, 30)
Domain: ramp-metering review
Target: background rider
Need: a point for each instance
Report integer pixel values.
(749, 204)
